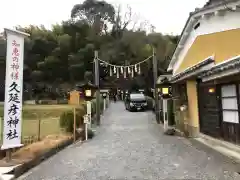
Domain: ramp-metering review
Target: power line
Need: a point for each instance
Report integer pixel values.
(132, 65)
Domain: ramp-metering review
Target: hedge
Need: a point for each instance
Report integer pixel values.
(150, 102)
(66, 118)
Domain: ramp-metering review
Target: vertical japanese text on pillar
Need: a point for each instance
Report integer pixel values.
(14, 94)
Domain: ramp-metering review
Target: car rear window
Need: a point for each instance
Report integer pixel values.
(137, 96)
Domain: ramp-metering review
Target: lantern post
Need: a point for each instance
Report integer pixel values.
(165, 93)
(88, 91)
(104, 94)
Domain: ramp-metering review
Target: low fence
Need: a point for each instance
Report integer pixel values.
(46, 101)
(40, 121)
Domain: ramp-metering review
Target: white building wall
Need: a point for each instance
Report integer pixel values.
(213, 24)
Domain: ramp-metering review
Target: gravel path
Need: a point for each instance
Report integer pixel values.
(131, 146)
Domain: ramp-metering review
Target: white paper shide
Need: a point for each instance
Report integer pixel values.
(12, 125)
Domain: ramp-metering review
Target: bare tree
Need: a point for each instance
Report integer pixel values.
(125, 19)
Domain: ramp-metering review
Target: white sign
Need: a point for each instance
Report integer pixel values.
(86, 119)
(104, 104)
(89, 108)
(165, 118)
(12, 126)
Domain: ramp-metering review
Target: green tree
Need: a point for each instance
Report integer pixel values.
(64, 54)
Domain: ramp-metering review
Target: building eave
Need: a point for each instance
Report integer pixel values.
(197, 69)
(195, 16)
(227, 68)
(163, 78)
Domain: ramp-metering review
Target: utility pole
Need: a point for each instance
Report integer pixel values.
(155, 76)
(96, 68)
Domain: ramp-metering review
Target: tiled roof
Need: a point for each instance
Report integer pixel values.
(222, 67)
(192, 69)
(214, 2)
(164, 78)
(210, 4)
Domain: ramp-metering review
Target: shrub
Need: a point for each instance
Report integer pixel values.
(91, 134)
(93, 106)
(47, 102)
(82, 109)
(101, 104)
(66, 120)
(62, 101)
(150, 102)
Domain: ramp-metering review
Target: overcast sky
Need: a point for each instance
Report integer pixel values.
(168, 16)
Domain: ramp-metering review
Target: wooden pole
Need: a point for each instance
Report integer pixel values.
(86, 130)
(9, 155)
(155, 76)
(97, 84)
(39, 127)
(74, 124)
(78, 103)
(104, 104)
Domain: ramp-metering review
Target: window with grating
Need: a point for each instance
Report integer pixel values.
(229, 104)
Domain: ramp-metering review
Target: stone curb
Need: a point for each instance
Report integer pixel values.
(225, 148)
(23, 168)
(218, 142)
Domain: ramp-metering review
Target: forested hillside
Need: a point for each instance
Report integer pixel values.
(64, 54)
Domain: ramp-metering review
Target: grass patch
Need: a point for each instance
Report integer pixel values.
(47, 126)
(32, 111)
(47, 115)
(33, 150)
(45, 144)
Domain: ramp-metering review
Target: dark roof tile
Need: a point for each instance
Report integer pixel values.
(222, 67)
(212, 3)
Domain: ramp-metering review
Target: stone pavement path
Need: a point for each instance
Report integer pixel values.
(130, 145)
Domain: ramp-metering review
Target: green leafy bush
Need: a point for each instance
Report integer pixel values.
(90, 134)
(150, 102)
(67, 120)
(62, 101)
(101, 104)
(93, 106)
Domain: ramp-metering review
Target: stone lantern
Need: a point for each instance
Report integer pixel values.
(88, 90)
